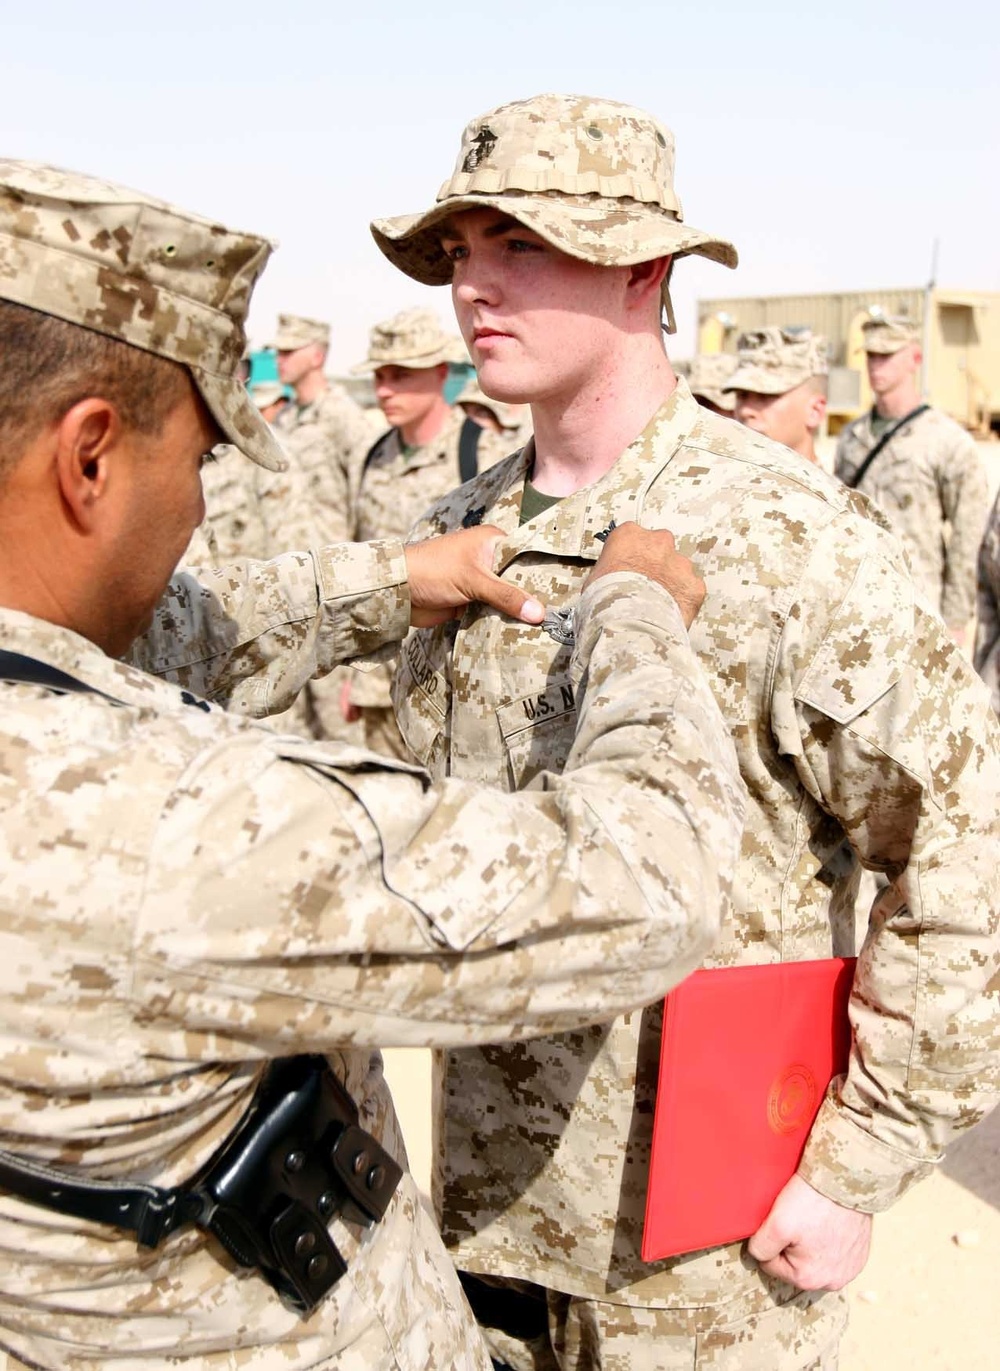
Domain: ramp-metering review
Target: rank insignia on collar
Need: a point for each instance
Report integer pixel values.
(188, 699)
(473, 517)
(559, 624)
(602, 537)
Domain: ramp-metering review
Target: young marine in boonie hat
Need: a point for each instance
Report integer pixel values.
(413, 339)
(888, 333)
(137, 269)
(594, 178)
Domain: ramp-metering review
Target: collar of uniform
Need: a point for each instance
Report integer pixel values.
(78, 657)
(443, 447)
(574, 526)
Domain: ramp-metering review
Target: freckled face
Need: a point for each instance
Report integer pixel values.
(538, 323)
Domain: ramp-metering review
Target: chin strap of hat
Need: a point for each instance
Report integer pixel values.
(668, 307)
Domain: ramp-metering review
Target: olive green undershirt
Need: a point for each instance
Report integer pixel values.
(533, 502)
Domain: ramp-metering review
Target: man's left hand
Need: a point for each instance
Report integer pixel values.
(811, 1241)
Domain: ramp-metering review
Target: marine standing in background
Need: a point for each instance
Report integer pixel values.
(863, 735)
(926, 475)
(986, 657)
(430, 448)
(706, 375)
(187, 901)
(780, 385)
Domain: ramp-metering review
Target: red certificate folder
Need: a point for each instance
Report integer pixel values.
(746, 1056)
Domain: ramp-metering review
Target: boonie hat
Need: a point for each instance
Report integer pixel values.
(414, 339)
(887, 333)
(594, 178)
(707, 374)
(507, 416)
(771, 361)
(295, 331)
(137, 269)
(264, 393)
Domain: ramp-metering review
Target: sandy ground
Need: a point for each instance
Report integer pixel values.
(929, 1298)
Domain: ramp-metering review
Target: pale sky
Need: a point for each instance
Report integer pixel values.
(832, 143)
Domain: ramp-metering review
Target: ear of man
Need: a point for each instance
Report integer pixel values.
(86, 442)
(644, 281)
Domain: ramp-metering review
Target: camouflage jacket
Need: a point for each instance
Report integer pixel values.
(188, 895)
(311, 504)
(861, 732)
(987, 650)
(930, 483)
(395, 490)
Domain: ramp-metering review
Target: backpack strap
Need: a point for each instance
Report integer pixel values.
(887, 437)
(468, 444)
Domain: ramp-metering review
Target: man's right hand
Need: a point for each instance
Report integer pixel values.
(651, 552)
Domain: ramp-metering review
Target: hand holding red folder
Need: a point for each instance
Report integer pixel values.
(746, 1056)
(811, 1241)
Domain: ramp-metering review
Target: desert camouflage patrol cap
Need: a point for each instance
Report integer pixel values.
(592, 177)
(295, 331)
(413, 339)
(886, 333)
(771, 361)
(142, 271)
(707, 374)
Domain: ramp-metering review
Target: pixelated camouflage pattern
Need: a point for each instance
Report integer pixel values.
(799, 1335)
(771, 361)
(888, 333)
(190, 895)
(140, 270)
(295, 331)
(930, 483)
(594, 178)
(396, 489)
(987, 647)
(706, 376)
(413, 338)
(854, 717)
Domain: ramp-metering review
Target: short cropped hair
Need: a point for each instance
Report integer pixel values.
(47, 366)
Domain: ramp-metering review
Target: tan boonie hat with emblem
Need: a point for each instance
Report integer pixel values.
(142, 271)
(707, 374)
(771, 361)
(295, 331)
(592, 177)
(887, 333)
(412, 339)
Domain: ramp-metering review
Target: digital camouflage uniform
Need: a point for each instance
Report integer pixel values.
(188, 895)
(857, 725)
(396, 485)
(930, 483)
(987, 649)
(310, 503)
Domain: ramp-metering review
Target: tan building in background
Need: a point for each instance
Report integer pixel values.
(961, 333)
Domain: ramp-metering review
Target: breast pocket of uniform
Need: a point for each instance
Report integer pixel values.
(538, 730)
(420, 696)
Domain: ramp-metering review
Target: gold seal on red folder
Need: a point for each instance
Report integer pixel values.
(791, 1101)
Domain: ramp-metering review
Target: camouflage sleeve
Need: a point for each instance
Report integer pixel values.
(987, 649)
(249, 635)
(293, 900)
(891, 732)
(965, 504)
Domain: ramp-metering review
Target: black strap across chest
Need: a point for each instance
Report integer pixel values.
(15, 666)
(886, 438)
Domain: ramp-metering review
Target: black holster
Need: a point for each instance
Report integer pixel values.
(297, 1159)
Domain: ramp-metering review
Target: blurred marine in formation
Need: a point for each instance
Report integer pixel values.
(921, 469)
(429, 449)
(780, 385)
(707, 375)
(192, 909)
(863, 735)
